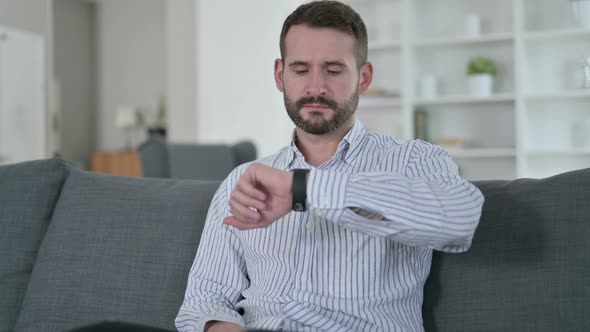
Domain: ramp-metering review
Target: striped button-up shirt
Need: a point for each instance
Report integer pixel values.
(356, 260)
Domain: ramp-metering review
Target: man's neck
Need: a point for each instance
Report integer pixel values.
(317, 149)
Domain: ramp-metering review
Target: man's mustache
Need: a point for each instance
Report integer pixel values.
(316, 100)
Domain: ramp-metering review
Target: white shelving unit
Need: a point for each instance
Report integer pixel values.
(463, 99)
(527, 127)
(455, 41)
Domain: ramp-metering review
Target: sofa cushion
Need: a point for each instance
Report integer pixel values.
(529, 265)
(28, 193)
(117, 249)
(200, 161)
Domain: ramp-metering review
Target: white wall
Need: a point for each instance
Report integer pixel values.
(74, 67)
(236, 94)
(181, 70)
(131, 62)
(30, 15)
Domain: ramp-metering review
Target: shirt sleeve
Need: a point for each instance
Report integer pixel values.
(414, 195)
(218, 274)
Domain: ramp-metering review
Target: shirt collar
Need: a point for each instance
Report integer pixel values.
(354, 139)
(350, 146)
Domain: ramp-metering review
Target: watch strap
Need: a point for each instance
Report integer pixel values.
(300, 189)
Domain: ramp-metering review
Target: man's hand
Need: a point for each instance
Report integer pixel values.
(215, 326)
(262, 195)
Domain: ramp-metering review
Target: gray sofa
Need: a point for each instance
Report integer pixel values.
(79, 248)
(162, 159)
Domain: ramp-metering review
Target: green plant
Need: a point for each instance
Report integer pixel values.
(161, 113)
(481, 65)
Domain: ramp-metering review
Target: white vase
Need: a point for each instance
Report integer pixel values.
(581, 12)
(472, 25)
(428, 87)
(480, 85)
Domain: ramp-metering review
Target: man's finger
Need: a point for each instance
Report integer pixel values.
(235, 222)
(244, 212)
(250, 189)
(245, 200)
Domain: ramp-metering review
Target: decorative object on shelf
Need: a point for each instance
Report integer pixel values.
(472, 25)
(159, 126)
(576, 73)
(421, 124)
(428, 87)
(453, 144)
(481, 72)
(129, 119)
(581, 11)
(380, 92)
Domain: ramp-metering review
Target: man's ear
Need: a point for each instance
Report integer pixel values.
(279, 74)
(366, 77)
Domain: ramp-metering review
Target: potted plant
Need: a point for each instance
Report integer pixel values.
(481, 72)
(581, 11)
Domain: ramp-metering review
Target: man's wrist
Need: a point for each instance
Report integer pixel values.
(209, 324)
(215, 325)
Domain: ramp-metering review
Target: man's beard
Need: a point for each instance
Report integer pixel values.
(316, 124)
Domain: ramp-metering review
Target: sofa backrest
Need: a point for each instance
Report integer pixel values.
(529, 265)
(28, 193)
(162, 159)
(116, 249)
(200, 161)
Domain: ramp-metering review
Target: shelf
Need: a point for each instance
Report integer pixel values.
(375, 102)
(554, 34)
(383, 47)
(441, 42)
(538, 52)
(572, 152)
(457, 100)
(473, 153)
(574, 94)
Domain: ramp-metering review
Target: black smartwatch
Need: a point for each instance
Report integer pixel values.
(299, 189)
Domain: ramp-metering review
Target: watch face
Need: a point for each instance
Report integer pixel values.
(299, 207)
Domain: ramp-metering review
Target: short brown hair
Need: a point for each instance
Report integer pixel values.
(329, 14)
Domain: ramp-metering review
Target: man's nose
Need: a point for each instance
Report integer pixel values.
(316, 85)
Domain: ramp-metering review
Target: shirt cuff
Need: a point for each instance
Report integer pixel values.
(327, 190)
(194, 319)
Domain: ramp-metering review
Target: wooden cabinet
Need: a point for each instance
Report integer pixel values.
(124, 163)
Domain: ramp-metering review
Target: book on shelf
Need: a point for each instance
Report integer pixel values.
(421, 124)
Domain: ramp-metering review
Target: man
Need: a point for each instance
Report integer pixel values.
(336, 231)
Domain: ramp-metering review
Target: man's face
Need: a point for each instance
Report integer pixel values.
(319, 78)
